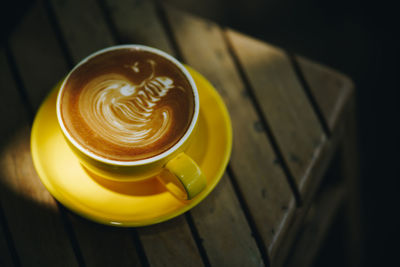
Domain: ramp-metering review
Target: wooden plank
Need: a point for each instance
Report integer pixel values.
(100, 246)
(316, 174)
(115, 244)
(9, 99)
(31, 213)
(83, 27)
(318, 220)
(6, 259)
(129, 34)
(36, 52)
(330, 88)
(253, 161)
(311, 188)
(129, 19)
(170, 243)
(283, 103)
(136, 22)
(334, 93)
(185, 251)
(105, 246)
(224, 230)
(105, 243)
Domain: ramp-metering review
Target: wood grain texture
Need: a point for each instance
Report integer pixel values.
(330, 88)
(253, 161)
(309, 190)
(283, 103)
(161, 240)
(83, 27)
(335, 95)
(32, 214)
(137, 22)
(332, 92)
(105, 246)
(222, 226)
(318, 220)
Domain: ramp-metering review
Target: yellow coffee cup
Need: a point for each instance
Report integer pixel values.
(173, 167)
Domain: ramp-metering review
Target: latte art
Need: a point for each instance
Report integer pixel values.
(127, 105)
(124, 113)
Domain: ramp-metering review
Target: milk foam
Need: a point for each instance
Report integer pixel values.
(125, 113)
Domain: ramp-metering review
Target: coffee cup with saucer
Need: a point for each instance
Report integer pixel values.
(119, 197)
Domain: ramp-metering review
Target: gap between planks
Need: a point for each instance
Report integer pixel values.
(311, 98)
(265, 124)
(62, 212)
(168, 28)
(237, 192)
(250, 220)
(70, 63)
(29, 110)
(258, 240)
(160, 9)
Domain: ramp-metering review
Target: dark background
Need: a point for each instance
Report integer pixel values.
(359, 38)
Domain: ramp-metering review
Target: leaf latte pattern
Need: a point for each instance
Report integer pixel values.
(124, 113)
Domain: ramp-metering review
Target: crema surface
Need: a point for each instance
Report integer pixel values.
(127, 104)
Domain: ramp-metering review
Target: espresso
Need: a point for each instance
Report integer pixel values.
(127, 104)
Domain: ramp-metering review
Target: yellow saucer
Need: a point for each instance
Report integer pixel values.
(128, 203)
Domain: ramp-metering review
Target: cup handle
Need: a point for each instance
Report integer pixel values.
(188, 180)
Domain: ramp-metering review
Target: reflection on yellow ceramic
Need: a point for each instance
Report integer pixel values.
(129, 203)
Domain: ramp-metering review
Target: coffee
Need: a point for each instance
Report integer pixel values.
(127, 104)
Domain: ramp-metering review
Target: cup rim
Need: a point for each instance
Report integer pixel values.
(155, 158)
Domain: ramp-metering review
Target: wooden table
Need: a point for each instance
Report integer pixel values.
(291, 117)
